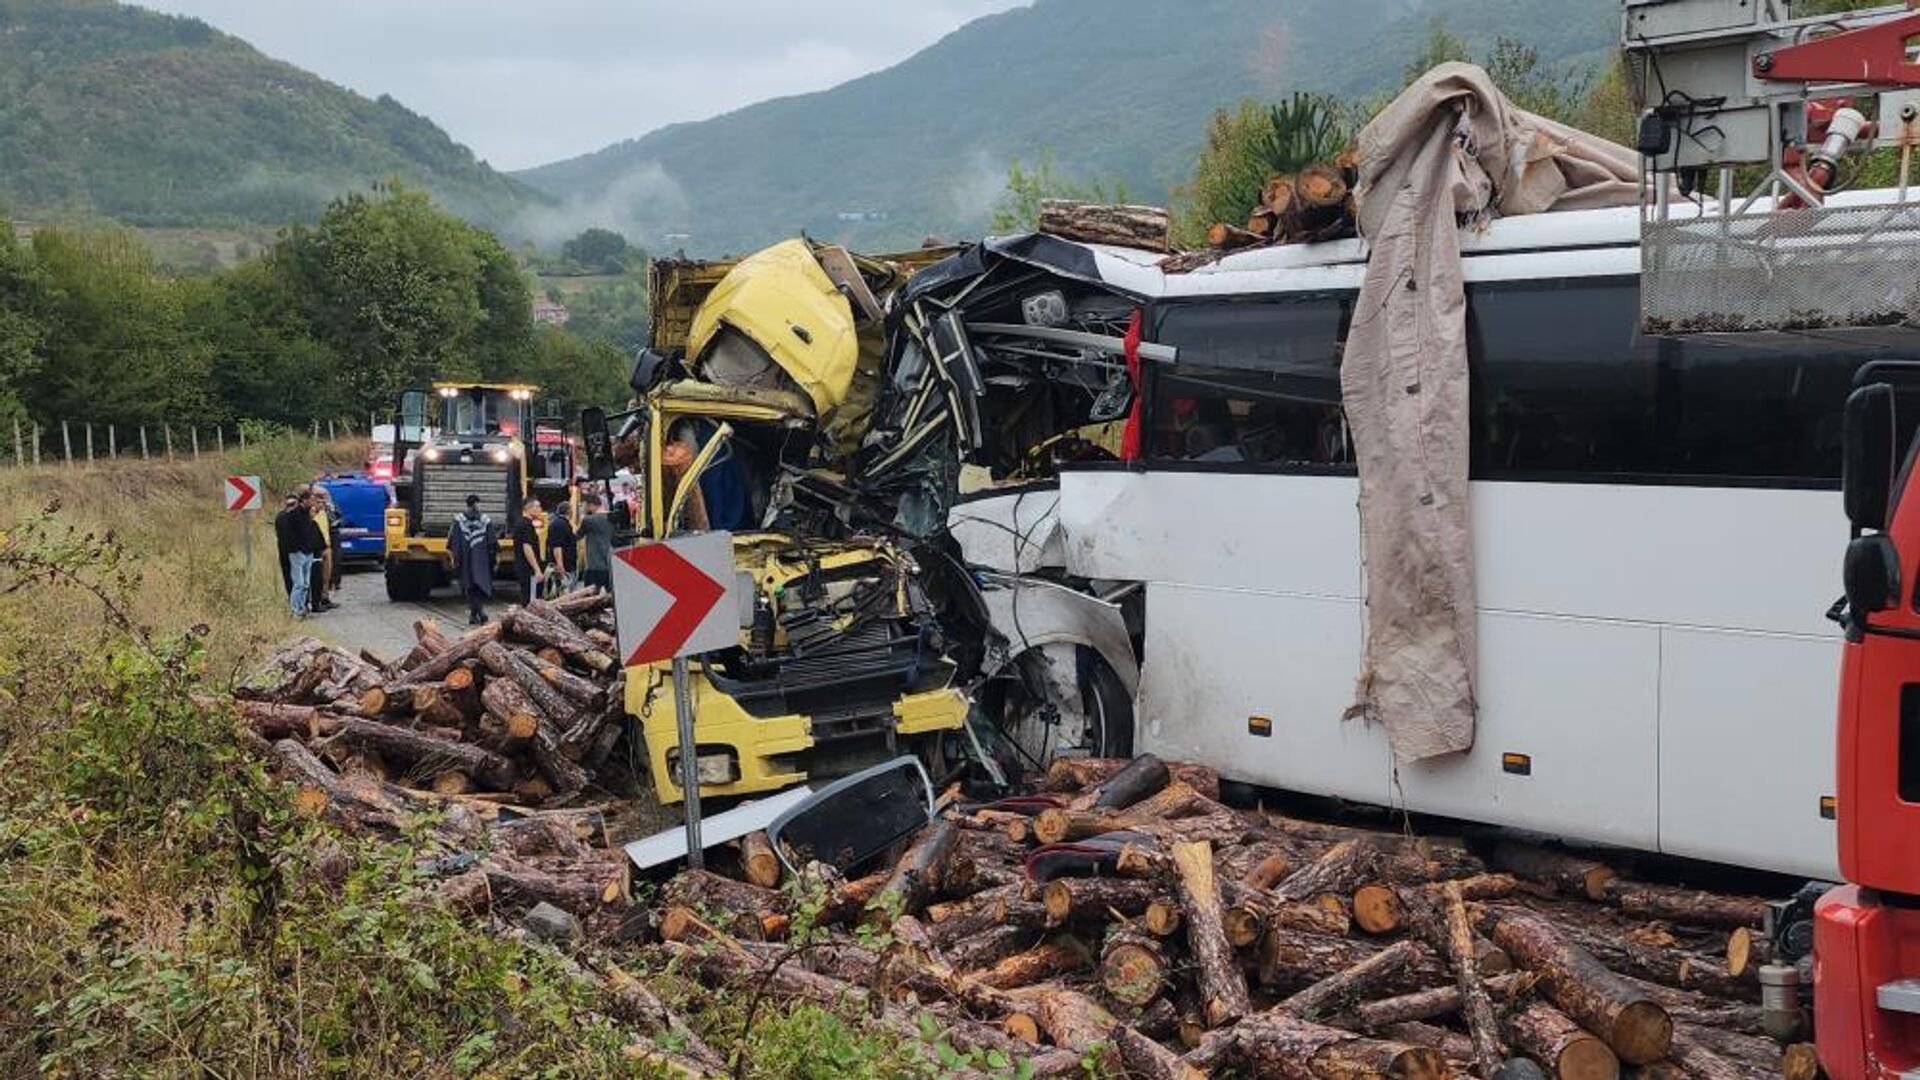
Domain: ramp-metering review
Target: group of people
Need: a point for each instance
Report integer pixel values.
(573, 553)
(303, 533)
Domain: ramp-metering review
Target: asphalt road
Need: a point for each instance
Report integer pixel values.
(366, 619)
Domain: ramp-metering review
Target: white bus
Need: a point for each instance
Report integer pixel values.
(1654, 529)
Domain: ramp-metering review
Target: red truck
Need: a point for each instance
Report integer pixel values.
(1866, 947)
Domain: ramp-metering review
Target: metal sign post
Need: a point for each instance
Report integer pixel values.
(671, 600)
(689, 763)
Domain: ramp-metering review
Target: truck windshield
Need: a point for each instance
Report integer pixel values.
(482, 412)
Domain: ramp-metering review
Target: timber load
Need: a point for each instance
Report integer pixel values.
(1126, 916)
(1121, 914)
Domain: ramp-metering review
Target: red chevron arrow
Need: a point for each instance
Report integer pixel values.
(694, 595)
(239, 493)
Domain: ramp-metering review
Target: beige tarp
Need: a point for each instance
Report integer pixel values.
(1451, 149)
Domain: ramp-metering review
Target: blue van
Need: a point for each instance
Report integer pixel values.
(362, 502)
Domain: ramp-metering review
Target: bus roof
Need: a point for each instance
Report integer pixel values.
(1573, 243)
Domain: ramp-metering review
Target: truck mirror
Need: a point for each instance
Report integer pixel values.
(1871, 574)
(1867, 456)
(599, 443)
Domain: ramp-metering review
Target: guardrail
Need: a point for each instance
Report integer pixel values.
(73, 442)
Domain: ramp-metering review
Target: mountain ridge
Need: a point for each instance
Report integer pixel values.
(154, 119)
(1112, 89)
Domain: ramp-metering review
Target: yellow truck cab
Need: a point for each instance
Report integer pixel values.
(838, 664)
(462, 439)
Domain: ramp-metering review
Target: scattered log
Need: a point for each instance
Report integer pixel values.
(1425, 1004)
(426, 755)
(1565, 1049)
(1339, 870)
(1076, 774)
(435, 668)
(1685, 906)
(1097, 898)
(1223, 989)
(1274, 1044)
(1377, 909)
(1072, 1020)
(1148, 1060)
(917, 876)
(1042, 962)
(1146, 227)
(1133, 966)
(1567, 874)
(1143, 776)
(1224, 237)
(1289, 960)
(1635, 1026)
(1475, 1005)
(1338, 991)
(751, 911)
(758, 861)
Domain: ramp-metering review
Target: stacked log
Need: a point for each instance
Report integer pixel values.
(1218, 940)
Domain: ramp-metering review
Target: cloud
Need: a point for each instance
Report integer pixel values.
(524, 84)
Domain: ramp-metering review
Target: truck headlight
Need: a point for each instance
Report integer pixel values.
(713, 767)
(501, 456)
(431, 453)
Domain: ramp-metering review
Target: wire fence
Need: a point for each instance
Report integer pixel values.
(78, 442)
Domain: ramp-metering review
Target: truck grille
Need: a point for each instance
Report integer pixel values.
(443, 489)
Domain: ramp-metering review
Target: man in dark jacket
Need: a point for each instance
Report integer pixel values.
(283, 538)
(474, 541)
(307, 545)
(529, 562)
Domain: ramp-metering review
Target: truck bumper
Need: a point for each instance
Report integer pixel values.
(1866, 986)
(743, 754)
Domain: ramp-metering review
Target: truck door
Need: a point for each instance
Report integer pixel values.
(409, 428)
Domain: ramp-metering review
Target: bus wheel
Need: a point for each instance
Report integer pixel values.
(1059, 701)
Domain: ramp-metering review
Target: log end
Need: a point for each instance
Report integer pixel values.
(1242, 926)
(1799, 1062)
(1132, 973)
(1419, 1063)
(1022, 1026)
(1050, 827)
(1057, 898)
(1641, 1033)
(1161, 919)
(1377, 910)
(1739, 951)
(1595, 880)
(1586, 1058)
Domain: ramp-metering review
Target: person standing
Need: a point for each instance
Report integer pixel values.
(596, 536)
(321, 589)
(563, 551)
(283, 537)
(527, 562)
(304, 557)
(475, 543)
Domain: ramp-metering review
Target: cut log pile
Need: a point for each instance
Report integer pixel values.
(524, 709)
(1175, 937)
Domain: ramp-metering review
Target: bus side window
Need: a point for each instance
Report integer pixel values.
(1257, 382)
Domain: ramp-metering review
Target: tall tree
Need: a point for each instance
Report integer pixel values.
(22, 301)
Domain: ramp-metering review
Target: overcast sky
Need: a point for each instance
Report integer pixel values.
(525, 82)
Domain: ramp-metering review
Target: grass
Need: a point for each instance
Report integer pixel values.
(164, 914)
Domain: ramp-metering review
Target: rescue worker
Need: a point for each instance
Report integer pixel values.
(596, 536)
(474, 542)
(563, 551)
(528, 563)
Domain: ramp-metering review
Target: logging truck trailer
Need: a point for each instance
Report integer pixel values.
(461, 439)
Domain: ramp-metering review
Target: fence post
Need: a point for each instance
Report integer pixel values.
(89, 442)
(220, 438)
(36, 444)
(315, 431)
(168, 430)
(243, 436)
(143, 442)
(113, 441)
(19, 455)
(329, 431)
(66, 441)
(193, 433)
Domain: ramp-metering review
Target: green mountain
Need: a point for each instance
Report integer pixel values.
(159, 120)
(1113, 89)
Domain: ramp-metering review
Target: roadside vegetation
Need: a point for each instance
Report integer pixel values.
(164, 912)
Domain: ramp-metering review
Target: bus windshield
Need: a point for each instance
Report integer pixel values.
(477, 411)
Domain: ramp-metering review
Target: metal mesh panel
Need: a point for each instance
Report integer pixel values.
(1789, 270)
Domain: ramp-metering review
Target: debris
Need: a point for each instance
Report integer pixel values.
(549, 923)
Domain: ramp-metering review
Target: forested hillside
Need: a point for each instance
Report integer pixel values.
(152, 119)
(1117, 90)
